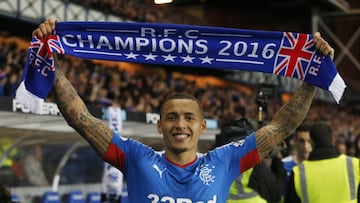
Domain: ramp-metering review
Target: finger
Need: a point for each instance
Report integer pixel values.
(323, 46)
(317, 36)
(45, 29)
(42, 30)
(37, 33)
(326, 48)
(329, 51)
(332, 53)
(52, 23)
(317, 40)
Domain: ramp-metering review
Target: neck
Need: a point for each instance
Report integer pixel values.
(180, 159)
(299, 159)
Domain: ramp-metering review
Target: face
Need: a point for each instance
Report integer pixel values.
(303, 143)
(341, 148)
(181, 124)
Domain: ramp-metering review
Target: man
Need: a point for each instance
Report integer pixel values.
(302, 144)
(179, 174)
(6, 171)
(111, 184)
(33, 166)
(326, 176)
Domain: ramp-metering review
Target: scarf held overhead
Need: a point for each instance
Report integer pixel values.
(282, 53)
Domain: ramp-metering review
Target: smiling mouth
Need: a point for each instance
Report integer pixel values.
(181, 137)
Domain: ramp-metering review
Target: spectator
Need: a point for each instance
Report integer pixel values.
(303, 147)
(11, 85)
(33, 166)
(340, 144)
(6, 172)
(111, 184)
(326, 176)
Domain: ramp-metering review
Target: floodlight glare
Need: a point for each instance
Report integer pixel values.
(162, 1)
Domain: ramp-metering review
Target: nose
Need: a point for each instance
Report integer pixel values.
(180, 123)
(308, 146)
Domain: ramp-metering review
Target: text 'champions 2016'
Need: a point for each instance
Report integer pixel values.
(170, 40)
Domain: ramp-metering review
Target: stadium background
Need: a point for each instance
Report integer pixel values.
(69, 163)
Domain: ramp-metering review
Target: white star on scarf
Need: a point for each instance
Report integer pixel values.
(169, 57)
(206, 60)
(188, 59)
(150, 56)
(131, 55)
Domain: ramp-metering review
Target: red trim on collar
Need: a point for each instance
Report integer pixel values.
(184, 165)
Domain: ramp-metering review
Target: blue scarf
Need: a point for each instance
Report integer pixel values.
(282, 53)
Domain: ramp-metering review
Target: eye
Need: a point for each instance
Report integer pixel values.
(301, 140)
(190, 118)
(170, 117)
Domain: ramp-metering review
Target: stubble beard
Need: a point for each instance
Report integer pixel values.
(178, 150)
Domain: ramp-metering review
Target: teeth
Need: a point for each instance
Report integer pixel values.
(181, 136)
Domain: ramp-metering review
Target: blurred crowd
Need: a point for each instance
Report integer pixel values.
(140, 11)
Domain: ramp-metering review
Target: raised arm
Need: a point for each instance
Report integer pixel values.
(75, 112)
(293, 113)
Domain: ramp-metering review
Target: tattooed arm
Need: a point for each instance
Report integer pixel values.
(286, 120)
(75, 112)
(292, 114)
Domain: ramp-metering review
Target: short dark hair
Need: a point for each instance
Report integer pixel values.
(321, 134)
(180, 95)
(303, 127)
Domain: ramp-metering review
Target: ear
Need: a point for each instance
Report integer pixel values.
(203, 126)
(159, 128)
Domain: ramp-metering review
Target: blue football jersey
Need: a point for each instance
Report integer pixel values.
(288, 163)
(152, 178)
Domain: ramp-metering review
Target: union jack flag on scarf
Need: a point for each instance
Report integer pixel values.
(295, 53)
(39, 67)
(286, 54)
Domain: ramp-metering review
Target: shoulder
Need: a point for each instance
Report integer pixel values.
(288, 159)
(355, 160)
(130, 146)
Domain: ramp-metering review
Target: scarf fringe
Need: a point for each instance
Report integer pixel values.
(337, 87)
(28, 99)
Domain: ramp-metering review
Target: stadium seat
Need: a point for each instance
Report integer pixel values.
(51, 197)
(15, 198)
(93, 197)
(75, 197)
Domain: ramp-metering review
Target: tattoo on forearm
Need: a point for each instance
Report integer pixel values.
(286, 120)
(77, 115)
